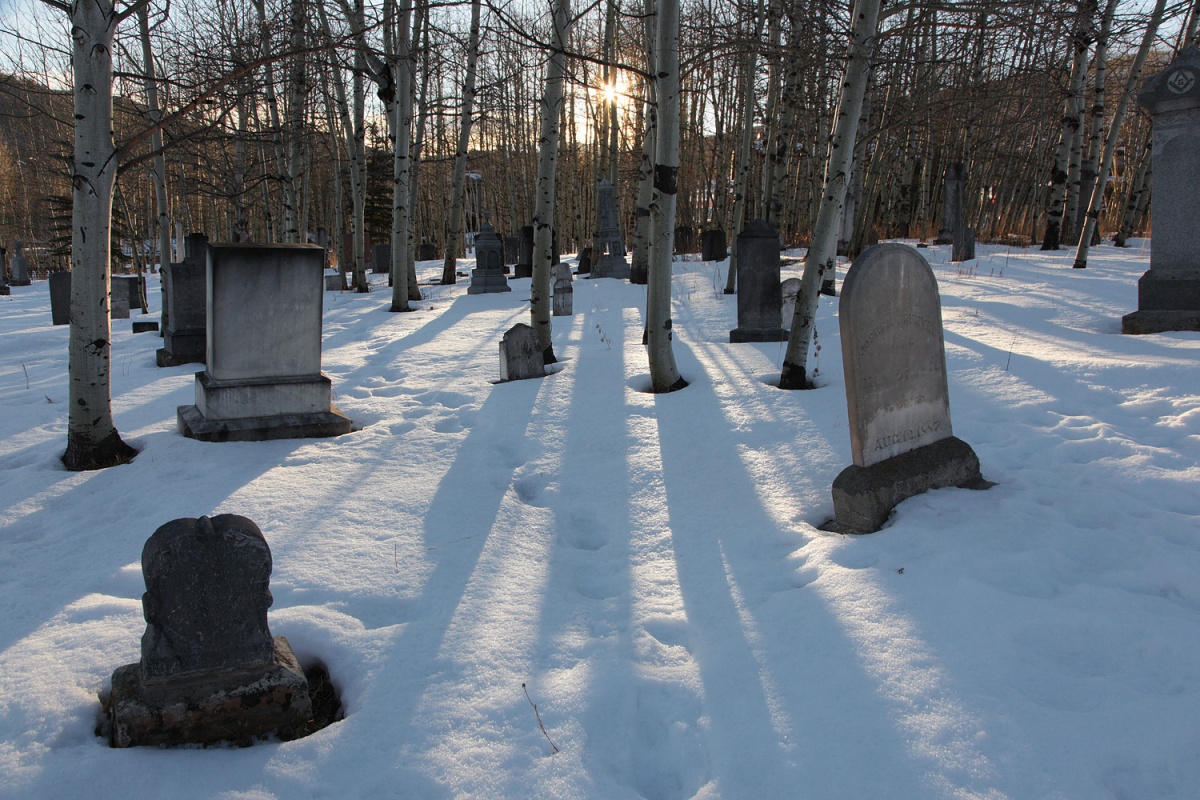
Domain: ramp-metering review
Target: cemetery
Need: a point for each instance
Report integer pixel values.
(692, 400)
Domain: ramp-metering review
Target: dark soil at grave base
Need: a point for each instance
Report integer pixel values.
(325, 698)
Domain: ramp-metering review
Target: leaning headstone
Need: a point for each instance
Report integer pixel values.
(685, 240)
(611, 262)
(210, 670)
(185, 306)
(893, 355)
(381, 258)
(520, 356)
(263, 353)
(564, 291)
(712, 245)
(18, 266)
(963, 246)
(759, 301)
(1169, 292)
(60, 297)
(488, 275)
(952, 202)
(788, 291)
(524, 265)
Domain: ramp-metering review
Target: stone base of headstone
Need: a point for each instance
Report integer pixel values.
(945, 236)
(520, 357)
(523, 271)
(4, 290)
(145, 327)
(182, 347)
(60, 298)
(738, 335)
(1143, 322)
(611, 265)
(488, 281)
(1166, 302)
(257, 410)
(863, 497)
(237, 706)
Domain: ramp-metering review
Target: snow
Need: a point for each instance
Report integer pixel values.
(647, 568)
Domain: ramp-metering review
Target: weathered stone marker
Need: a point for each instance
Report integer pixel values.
(60, 298)
(952, 202)
(524, 265)
(131, 285)
(585, 261)
(894, 359)
(1169, 292)
(427, 252)
(759, 301)
(488, 275)
(185, 306)
(18, 265)
(713, 246)
(210, 670)
(564, 291)
(4, 289)
(381, 257)
(264, 377)
(520, 356)
(611, 262)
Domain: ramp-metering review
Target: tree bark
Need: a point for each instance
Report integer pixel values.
(454, 229)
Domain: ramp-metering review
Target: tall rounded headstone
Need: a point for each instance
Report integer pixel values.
(897, 396)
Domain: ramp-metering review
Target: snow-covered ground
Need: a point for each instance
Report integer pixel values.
(648, 567)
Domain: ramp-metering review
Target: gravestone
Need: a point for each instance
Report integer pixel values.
(145, 326)
(381, 258)
(488, 275)
(685, 240)
(335, 283)
(60, 298)
(118, 298)
(4, 290)
(564, 291)
(759, 300)
(1169, 292)
(520, 356)
(512, 246)
(963, 246)
(185, 306)
(524, 265)
(712, 245)
(789, 290)
(611, 262)
(427, 252)
(18, 266)
(269, 296)
(893, 355)
(347, 253)
(131, 285)
(210, 669)
(952, 202)
(585, 261)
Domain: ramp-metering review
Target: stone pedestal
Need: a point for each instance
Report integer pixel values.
(60, 298)
(713, 246)
(759, 299)
(1169, 292)
(185, 307)
(269, 296)
(488, 275)
(952, 202)
(612, 262)
(685, 240)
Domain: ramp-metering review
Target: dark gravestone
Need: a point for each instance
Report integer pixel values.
(524, 265)
(18, 266)
(511, 245)
(564, 291)
(4, 290)
(685, 240)
(210, 669)
(585, 261)
(712, 245)
(520, 356)
(611, 262)
(1169, 292)
(118, 298)
(427, 252)
(952, 202)
(963, 246)
(145, 326)
(335, 283)
(488, 275)
(347, 253)
(788, 290)
(131, 285)
(759, 301)
(381, 258)
(185, 306)
(894, 360)
(60, 298)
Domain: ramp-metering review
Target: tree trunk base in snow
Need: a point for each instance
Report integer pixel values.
(793, 377)
(111, 452)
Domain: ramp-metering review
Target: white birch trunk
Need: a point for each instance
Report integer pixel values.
(1072, 108)
(664, 375)
(401, 163)
(639, 268)
(543, 214)
(823, 249)
(745, 148)
(92, 438)
(454, 229)
(158, 171)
